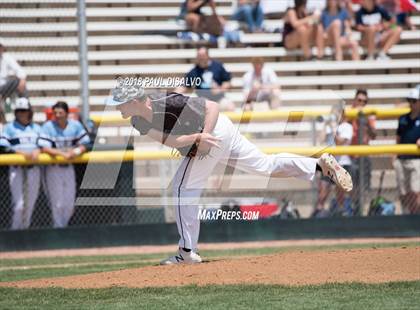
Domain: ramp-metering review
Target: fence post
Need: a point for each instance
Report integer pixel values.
(360, 135)
(163, 173)
(83, 59)
(314, 184)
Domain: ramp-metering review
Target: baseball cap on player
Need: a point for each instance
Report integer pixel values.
(123, 94)
(414, 94)
(21, 104)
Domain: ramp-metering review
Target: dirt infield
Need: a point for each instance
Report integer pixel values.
(292, 268)
(149, 249)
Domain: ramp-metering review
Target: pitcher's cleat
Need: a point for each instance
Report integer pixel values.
(335, 172)
(182, 258)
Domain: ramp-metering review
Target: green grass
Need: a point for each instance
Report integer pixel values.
(398, 295)
(40, 261)
(37, 273)
(50, 266)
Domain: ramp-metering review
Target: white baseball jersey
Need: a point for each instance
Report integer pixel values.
(18, 137)
(23, 180)
(55, 137)
(60, 179)
(235, 150)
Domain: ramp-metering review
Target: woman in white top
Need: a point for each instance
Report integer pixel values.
(12, 79)
(261, 84)
(12, 76)
(334, 134)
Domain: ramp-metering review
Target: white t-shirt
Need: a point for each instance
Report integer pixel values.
(345, 131)
(276, 6)
(268, 76)
(9, 67)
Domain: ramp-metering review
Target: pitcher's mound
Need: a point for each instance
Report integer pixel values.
(293, 268)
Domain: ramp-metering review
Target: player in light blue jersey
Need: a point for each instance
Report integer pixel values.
(68, 138)
(21, 137)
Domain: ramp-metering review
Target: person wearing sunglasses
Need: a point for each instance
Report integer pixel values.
(360, 101)
(364, 125)
(407, 167)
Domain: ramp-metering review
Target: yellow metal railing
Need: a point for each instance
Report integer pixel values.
(118, 156)
(264, 116)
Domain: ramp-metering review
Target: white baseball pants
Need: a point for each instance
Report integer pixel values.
(24, 187)
(61, 192)
(235, 150)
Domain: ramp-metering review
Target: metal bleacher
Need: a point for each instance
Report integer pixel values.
(44, 41)
(138, 37)
(124, 39)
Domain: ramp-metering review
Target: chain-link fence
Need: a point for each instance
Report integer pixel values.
(39, 61)
(139, 192)
(43, 37)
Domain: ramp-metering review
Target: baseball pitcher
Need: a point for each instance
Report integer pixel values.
(205, 138)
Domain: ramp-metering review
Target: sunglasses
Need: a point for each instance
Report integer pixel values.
(362, 100)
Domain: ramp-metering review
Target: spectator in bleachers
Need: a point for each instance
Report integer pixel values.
(400, 15)
(210, 79)
(348, 5)
(251, 13)
(12, 78)
(198, 22)
(334, 133)
(261, 84)
(300, 29)
(335, 27)
(364, 125)
(374, 22)
(408, 166)
(67, 138)
(369, 133)
(21, 137)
